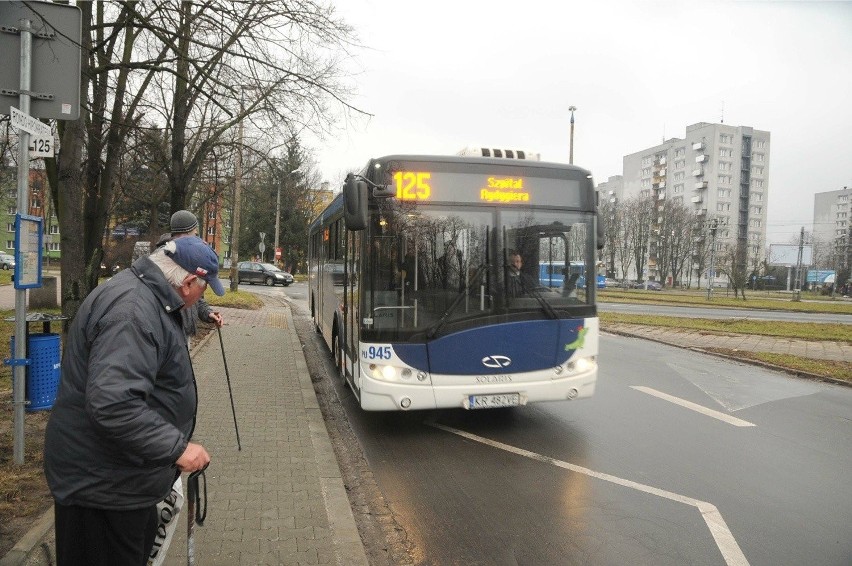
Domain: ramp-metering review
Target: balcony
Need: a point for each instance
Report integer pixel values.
(661, 196)
(697, 199)
(698, 172)
(700, 185)
(698, 146)
(701, 158)
(660, 161)
(659, 185)
(701, 212)
(660, 173)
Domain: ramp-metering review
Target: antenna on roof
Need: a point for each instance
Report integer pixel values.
(723, 111)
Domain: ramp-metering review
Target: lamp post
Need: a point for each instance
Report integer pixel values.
(571, 147)
(278, 208)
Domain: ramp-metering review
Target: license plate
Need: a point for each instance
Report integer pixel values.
(494, 400)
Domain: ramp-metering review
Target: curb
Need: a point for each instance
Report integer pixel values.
(24, 548)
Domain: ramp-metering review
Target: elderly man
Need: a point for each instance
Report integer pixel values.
(119, 433)
(183, 223)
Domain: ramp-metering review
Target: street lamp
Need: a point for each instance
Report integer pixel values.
(278, 208)
(571, 149)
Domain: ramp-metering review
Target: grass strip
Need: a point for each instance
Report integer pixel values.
(824, 368)
(796, 330)
(836, 306)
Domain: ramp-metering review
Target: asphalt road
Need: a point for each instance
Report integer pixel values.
(679, 458)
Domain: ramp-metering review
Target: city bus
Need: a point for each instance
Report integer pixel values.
(412, 289)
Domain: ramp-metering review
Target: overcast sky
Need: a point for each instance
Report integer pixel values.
(442, 75)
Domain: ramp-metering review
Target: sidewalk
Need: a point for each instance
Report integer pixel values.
(281, 499)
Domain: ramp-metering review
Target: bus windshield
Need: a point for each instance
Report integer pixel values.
(433, 269)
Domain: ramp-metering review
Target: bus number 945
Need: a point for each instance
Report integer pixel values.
(377, 353)
(412, 186)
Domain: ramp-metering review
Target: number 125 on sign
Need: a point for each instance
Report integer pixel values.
(41, 146)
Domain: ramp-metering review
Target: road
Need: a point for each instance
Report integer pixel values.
(679, 458)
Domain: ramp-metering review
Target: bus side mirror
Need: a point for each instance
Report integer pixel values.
(354, 203)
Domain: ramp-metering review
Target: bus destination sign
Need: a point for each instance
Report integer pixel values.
(418, 186)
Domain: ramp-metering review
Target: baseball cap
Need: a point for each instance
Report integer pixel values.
(195, 256)
(183, 221)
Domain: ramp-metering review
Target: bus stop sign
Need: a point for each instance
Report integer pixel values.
(55, 58)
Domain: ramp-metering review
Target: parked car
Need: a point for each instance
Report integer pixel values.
(266, 273)
(654, 286)
(610, 282)
(7, 261)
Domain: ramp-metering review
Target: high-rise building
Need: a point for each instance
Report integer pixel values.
(718, 171)
(833, 225)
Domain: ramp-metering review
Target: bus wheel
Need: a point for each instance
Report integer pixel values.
(338, 356)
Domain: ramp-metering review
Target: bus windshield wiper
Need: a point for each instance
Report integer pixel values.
(432, 330)
(531, 289)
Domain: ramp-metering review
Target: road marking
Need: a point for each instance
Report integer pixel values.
(723, 536)
(693, 406)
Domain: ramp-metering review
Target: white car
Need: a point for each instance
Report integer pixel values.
(7, 261)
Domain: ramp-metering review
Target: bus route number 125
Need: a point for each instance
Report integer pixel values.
(412, 185)
(377, 353)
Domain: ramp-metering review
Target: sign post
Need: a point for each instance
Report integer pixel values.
(47, 74)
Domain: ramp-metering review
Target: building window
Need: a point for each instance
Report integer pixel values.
(54, 229)
(757, 170)
(757, 197)
(678, 188)
(53, 246)
(12, 210)
(211, 230)
(758, 157)
(723, 206)
(757, 210)
(724, 193)
(10, 227)
(679, 176)
(10, 244)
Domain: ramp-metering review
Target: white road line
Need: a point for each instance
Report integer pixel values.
(725, 540)
(694, 406)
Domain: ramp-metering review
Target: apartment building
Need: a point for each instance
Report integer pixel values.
(720, 172)
(833, 224)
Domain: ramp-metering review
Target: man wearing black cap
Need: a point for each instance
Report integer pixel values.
(119, 432)
(183, 223)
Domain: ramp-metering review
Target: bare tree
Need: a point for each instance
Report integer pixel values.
(638, 229)
(186, 68)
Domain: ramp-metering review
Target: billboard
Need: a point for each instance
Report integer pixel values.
(787, 255)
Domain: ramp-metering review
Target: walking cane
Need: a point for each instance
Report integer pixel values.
(193, 500)
(231, 393)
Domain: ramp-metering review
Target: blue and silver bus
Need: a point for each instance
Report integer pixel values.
(415, 288)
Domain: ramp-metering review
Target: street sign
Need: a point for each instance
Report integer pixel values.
(41, 146)
(28, 123)
(277, 253)
(262, 247)
(55, 67)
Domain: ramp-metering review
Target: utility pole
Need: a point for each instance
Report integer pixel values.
(714, 225)
(797, 293)
(238, 193)
(571, 147)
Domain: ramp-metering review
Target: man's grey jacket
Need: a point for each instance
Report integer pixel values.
(126, 404)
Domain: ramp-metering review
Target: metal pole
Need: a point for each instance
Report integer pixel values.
(713, 226)
(277, 217)
(238, 193)
(571, 149)
(19, 371)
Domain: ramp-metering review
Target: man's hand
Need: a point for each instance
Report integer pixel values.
(216, 319)
(194, 458)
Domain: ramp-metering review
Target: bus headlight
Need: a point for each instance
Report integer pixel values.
(581, 365)
(390, 373)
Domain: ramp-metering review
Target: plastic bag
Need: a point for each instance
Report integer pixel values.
(167, 513)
